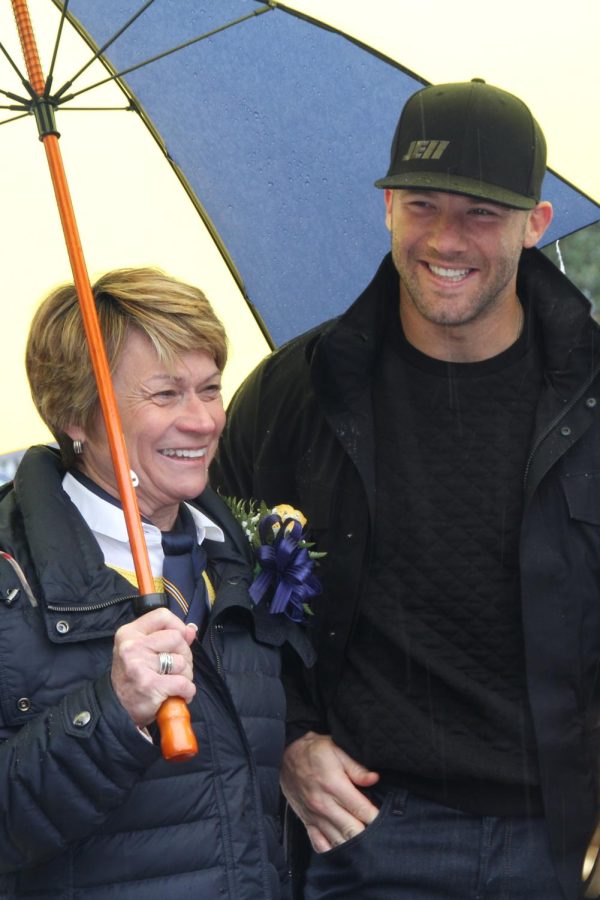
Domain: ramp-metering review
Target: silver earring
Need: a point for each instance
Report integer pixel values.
(77, 448)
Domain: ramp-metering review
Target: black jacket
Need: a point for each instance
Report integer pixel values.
(300, 430)
(88, 807)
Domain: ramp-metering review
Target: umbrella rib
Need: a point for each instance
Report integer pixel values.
(129, 108)
(63, 14)
(20, 74)
(13, 118)
(24, 100)
(152, 59)
(104, 47)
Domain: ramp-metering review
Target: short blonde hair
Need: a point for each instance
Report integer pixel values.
(175, 316)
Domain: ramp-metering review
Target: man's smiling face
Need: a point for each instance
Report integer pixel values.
(457, 256)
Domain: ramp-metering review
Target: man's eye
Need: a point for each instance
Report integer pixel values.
(418, 208)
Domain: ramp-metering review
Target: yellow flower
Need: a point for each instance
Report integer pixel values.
(285, 511)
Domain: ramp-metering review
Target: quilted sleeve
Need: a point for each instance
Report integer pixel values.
(64, 771)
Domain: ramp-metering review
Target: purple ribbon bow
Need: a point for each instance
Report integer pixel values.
(286, 567)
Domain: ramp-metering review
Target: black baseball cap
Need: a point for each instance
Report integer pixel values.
(469, 138)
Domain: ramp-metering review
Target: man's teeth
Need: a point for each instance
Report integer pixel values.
(452, 274)
(187, 454)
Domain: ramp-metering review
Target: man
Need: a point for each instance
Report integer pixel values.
(441, 437)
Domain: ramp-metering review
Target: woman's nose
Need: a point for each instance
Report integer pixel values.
(195, 415)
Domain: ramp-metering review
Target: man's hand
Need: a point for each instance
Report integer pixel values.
(319, 781)
(135, 667)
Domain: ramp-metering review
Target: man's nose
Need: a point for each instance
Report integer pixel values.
(447, 233)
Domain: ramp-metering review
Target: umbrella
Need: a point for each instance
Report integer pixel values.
(278, 125)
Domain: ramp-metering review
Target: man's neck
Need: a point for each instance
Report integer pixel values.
(473, 341)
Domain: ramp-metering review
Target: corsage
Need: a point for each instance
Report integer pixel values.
(283, 576)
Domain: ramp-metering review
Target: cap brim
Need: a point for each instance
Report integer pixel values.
(457, 184)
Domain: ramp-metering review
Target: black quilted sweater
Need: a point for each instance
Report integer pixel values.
(433, 691)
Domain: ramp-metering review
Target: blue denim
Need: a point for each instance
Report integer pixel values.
(419, 850)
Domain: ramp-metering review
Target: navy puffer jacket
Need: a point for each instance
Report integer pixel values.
(88, 807)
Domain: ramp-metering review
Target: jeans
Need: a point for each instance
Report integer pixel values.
(419, 850)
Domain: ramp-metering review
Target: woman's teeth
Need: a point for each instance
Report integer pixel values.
(186, 454)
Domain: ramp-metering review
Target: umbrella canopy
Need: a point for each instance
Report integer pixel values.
(278, 125)
(131, 208)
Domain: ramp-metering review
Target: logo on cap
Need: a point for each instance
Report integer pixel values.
(425, 150)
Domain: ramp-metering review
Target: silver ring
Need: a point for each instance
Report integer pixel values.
(165, 663)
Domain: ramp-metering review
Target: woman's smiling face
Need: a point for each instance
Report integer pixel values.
(172, 419)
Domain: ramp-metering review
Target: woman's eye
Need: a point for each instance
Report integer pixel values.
(164, 396)
(211, 391)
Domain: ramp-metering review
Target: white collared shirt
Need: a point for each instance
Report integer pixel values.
(107, 524)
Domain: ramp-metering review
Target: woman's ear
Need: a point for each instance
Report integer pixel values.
(76, 433)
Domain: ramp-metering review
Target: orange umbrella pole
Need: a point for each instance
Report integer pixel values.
(177, 738)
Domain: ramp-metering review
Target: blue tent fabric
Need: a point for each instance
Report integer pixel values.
(280, 128)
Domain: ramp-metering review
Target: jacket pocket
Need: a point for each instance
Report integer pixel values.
(35, 671)
(582, 492)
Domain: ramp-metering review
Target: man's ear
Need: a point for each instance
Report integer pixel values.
(387, 196)
(538, 220)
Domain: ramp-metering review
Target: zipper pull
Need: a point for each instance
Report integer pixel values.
(10, 595)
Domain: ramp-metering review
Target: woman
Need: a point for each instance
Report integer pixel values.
(88, 807)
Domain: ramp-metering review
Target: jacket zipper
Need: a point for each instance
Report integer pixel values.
(218, 667)
(213, 646)
(92, 607)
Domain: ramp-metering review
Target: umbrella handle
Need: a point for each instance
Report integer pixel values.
(178, 740)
